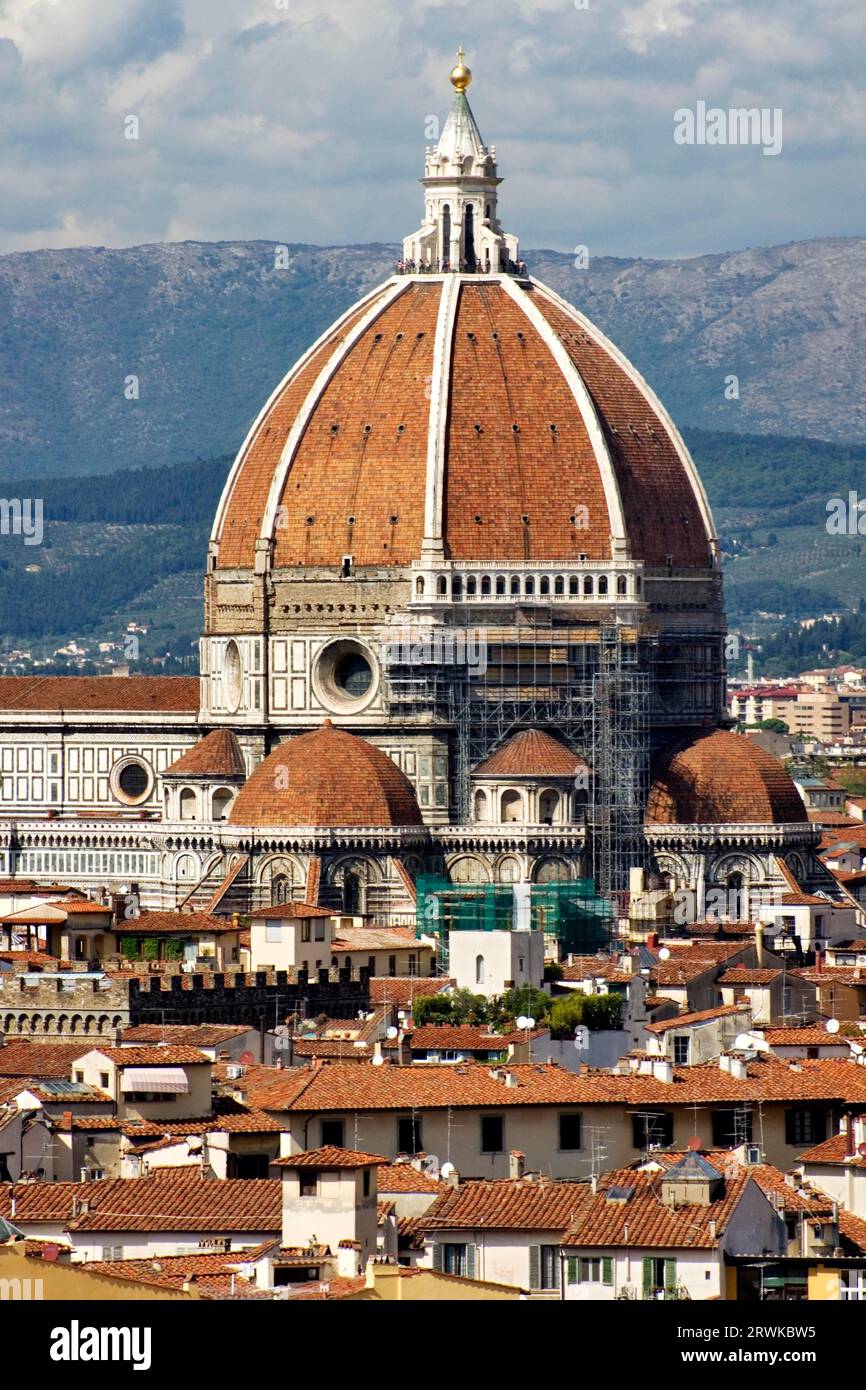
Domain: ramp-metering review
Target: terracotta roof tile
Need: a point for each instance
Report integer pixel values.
(530, 753)
(185, 1034)
(506, 1204)
(405, 1177)
(41, 1058)
(721, 778)
(162, 1202)
(687, 1020)
(330, 1156)
(156, 1056)
(344, 1087)
(377, 939)
(195, 923)
(214, 1276)
(833, 1151)
(741, 976)
(169, 694)
(218, 754)
(645, 1221)
(328, 777)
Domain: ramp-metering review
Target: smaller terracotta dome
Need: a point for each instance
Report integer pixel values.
(530, 753)
(216, 755)
(326, 778)
(720, 778)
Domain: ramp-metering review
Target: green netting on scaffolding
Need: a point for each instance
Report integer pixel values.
(571, 910)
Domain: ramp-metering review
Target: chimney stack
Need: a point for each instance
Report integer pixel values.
(516, 1163)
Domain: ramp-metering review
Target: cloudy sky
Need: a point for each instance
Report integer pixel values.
(304, 120)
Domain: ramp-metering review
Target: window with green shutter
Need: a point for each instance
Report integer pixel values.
(607, 1271)
(571, 1270)
(670, 1278)
(535, 1266)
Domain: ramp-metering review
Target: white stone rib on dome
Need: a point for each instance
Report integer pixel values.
(619, 534)
(330, 332)
(391, 290)
(649, 396)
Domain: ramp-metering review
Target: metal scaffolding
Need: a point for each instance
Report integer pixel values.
(620, 761)
(587, 683)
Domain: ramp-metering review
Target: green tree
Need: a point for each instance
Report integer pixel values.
(432, 1008)
(524, 999)
(593, 1011)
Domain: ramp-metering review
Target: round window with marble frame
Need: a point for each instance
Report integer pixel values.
(346, 676)
(125, 780)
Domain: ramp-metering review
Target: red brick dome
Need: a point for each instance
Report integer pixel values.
(481, 412)
(327, 778)
(530, 753)
(721, 778)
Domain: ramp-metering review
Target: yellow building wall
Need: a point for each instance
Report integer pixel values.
(823, 1285)
(388, 1284)
(50, 1281)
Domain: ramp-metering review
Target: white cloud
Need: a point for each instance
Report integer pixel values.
(308, 124)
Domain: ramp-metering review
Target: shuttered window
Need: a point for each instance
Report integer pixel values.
(544, 1266)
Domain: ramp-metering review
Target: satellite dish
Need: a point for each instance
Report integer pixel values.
(743, 1043)
(832, 1025)
(248, 1059)
(392, 1032)
(446, 1170)
(522, 1021)
(861, 1149)
(694, 1144)
(377, 1061)
(430, 1165)
(664, 953)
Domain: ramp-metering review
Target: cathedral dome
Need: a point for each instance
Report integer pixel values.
(721, 778)
(326, 778)
(466, 417)
(479, 417)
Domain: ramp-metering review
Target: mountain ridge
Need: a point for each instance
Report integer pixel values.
(209, 328)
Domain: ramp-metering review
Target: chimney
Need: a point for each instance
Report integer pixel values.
(516, 1163)
(663, 1070)
(759, 944)
(724, 1062)
(738, 1068)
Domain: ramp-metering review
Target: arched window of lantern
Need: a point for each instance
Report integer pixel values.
(588, 584)
(622, 585)
(602, 584)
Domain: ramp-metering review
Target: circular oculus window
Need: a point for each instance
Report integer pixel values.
(345, 677)
(131, 781)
